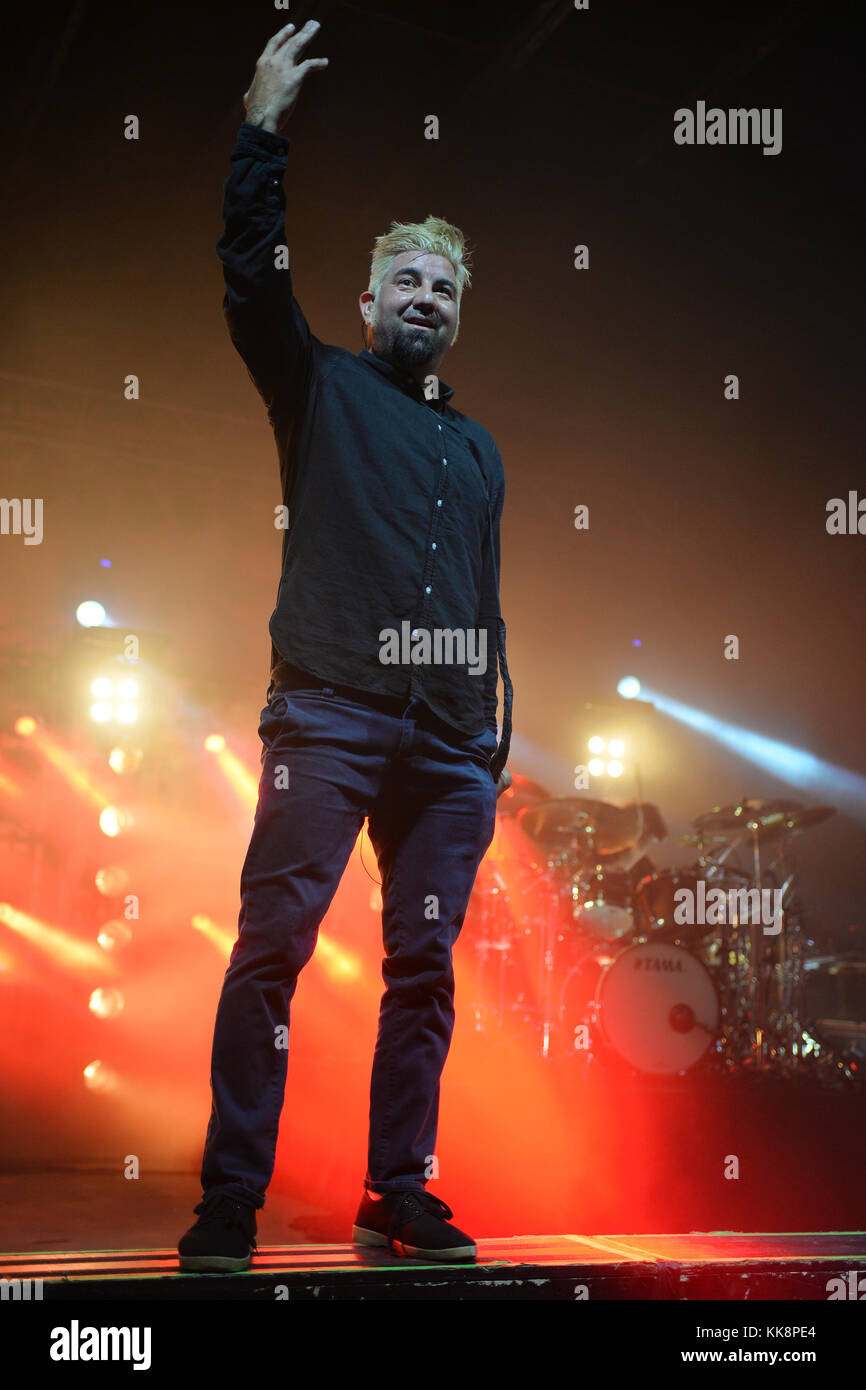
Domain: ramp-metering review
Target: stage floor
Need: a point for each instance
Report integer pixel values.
(722, 1265)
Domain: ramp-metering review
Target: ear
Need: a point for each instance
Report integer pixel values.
(365, 302)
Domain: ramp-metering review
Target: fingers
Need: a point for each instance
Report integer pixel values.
(309, 32)
(287, 35)
(277, 40)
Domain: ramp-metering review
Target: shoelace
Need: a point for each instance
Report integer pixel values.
(227, 1210)
(422, 1201)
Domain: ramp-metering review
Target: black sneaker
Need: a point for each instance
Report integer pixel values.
(412, 1223)
(223, 1239)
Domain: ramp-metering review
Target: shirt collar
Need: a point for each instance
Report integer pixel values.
(404, 380)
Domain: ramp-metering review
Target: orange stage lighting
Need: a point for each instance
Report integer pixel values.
(60, 946)
(216, 935)
(65, 762)
(339, 964)
(114, 935)
(99, 1077)
(106, 1003)
(114, 819)
(244, 783)
(8, 787)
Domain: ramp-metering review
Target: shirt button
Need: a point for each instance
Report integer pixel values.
(433, 546)
(438, 501)
(428, 590)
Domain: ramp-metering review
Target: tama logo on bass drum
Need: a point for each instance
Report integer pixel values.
(659, 963)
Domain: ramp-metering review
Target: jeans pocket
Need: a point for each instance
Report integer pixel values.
(481, 747)
(273, 718)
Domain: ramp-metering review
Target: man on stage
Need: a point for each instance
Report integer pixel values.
(387, 642)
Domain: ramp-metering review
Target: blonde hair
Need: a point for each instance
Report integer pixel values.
(432, 237)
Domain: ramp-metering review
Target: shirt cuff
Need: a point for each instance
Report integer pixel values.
(265, 139)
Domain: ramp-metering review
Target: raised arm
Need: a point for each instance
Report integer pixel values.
(265, 322)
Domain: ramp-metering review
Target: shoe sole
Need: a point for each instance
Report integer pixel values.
(361, 1236)
(214, 1264)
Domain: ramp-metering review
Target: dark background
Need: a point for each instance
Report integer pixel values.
(602, 387)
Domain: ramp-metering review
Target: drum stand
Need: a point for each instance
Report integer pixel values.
(773, 1033)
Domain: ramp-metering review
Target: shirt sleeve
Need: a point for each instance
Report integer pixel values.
(490, 610)
(265, 321)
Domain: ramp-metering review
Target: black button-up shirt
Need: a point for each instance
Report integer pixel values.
(394, 499)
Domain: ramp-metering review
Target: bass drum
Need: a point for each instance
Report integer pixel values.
(653, 1006)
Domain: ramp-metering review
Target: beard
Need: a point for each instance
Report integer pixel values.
(412, 347)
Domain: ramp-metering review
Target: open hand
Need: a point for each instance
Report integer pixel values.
(280, 75)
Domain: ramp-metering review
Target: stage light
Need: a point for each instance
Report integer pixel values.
(614, 768)
(111, 880)
(629, 687)
(112, 820)
(99, 1077)
(596, 744)
(615, 748)
(25, 725)
(214, 743)
(596, 767)
(114, 935)
(124, 761)
(106, 1003)
(90, 613)
(107, 690)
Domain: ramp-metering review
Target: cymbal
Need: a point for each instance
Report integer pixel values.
(813, 815)
(598, 826)
(769, 820)
(522, 792)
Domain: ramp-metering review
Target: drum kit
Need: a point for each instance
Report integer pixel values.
(590, 951)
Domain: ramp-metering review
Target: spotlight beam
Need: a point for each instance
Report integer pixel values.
(66, 950)
(841, 786)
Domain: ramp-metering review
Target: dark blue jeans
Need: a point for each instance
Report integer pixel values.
(327, 763)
